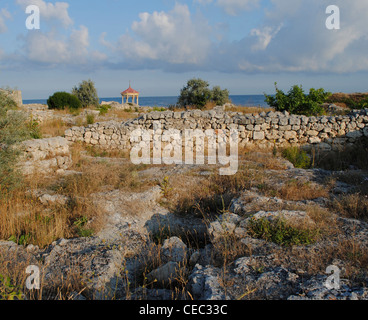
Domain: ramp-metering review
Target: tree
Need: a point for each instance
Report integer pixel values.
(297, 102)
(87, 94)
(62, 100)
(220, 97)
(197, 93)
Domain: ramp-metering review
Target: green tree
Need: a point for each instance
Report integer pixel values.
(297, 102)
(220, 97)
(86, 92)
(197, 93)
(62, 100)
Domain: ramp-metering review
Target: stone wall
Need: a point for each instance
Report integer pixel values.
(266, 129)
(45, 156)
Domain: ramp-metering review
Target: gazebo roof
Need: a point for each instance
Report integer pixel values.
(129, 91)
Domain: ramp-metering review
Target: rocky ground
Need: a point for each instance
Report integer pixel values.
(149, 245)
(146, 251)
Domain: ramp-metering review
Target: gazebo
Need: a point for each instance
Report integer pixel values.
(130, 93)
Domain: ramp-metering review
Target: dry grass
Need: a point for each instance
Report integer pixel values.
(53, 128)
(247, 109)
(121, 114)
(261, 157)
(197, 194)
(346, 156)
(353, 206)
(296, 191)
(95, 151)
(26, 220)
(60, 287)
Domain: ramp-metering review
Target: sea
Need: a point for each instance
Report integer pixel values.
(239, 100)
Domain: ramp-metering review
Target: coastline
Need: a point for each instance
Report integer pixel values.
(165, 101)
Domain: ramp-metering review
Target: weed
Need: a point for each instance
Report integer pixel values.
(80, 224)
(297, 157)
(9, 291)
(90, 118)
(165, 187)
(281, 232)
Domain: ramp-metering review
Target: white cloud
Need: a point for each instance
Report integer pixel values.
(49, 11)
(234, 7)
(293, 38)
(203, 2)
(4, 15)
(290, 37)
(170, 38)
(51, 48)
(264, 37)
(306, 44)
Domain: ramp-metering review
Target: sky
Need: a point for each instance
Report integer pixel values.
(158, 45)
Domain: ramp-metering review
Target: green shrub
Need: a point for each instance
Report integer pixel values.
(104, 109)
(62, 100)
(86, 93)
(197, 93)
(220, 97)
(280, 232)
(297, 157)
(6, 103)
(14, 128)
(34, 129)
(80, 225)
(159, 109)
(352, 101)
(9, 291)
(297, 102)
(90, 118)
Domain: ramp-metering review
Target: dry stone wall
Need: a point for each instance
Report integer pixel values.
(265, 129)
(45, 156)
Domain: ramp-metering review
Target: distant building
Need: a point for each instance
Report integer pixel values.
(130, 93)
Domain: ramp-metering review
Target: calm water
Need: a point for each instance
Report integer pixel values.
(244, 100)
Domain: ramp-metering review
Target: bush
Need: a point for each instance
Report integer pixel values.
(220, 97)
(104, 109)
(281, 232)
(297, 102)
(90, 118)
(14, 128)
(87, 94)
(297, 157)
(352, 101)
(197, 93)
(62, 100)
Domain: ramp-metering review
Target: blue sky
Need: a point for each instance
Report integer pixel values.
(242, 45)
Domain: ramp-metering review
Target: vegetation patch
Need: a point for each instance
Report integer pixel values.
(297, 102)
(197, 93)
(63, 100)
(352, 206)
(281, 232)
(86, 93)
(353, 101)
(298, 157)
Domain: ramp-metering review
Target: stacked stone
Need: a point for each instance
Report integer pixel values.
(265, 129)
(45, 156)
